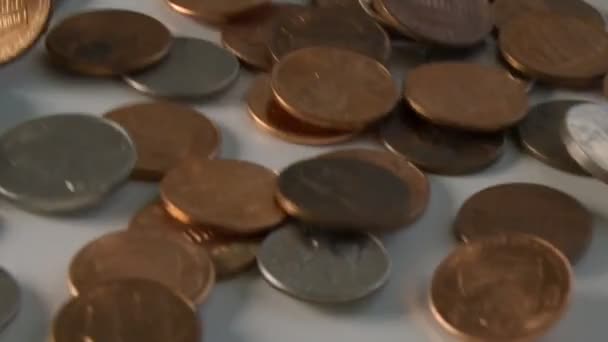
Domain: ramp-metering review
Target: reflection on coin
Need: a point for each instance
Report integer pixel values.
(502, 289)
(10, 298)
(333, 88)
(344, 194)
(439, 149)
(126, 310)
(22, 22)
(321, 266)
(108, 42)
(63, 162)
(540, 135)
(165, 133)
(527, 208)
(173, 262)
(194, 68)
(215, 11)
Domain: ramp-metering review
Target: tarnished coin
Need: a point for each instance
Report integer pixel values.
(321, 266)
(540, 135)
(275, 120)
(330, 27)
(63, 162)
(503, 289)
(10, 298)
(216, 11)
(344, 194)
(415, 180)
(165, 133)
(127, 310)
(333, 88)
(22, 23)
(234, 197)
(465, 95)
(180, 266)
(438, 149)
(194, 68)
(108, 42)
(527, 208)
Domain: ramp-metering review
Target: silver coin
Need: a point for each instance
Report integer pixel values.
(63, 162)
(194, 68)
(10, 298)
(321, 266)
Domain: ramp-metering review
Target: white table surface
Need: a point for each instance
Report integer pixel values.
(37, 250)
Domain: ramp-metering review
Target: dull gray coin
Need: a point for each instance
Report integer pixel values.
(63, 162)
(321, 266)
(194, 68)
(10, 298)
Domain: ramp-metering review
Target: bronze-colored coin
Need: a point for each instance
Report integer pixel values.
(127, 310)
(173, 262)
(165, 133)
(330, 27)
(439, 149)
(508, 288)
(216, 11)
(415, 180)
(333, 88)
(469, 96)
(450, 23)
(22, 23)
(234, 197)
(387, 18)
(344, 194)
(108, 42)
(275, 120)
(527, 208)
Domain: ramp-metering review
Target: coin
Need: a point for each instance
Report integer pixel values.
(235, 197)
(194, 68)
(180, 266)
(605, 86)
(63, 162)
(273, 119)
(439, 149)
(415, 180)
(527, 208)
(165, 133)
(10, 298)
(330, 27)
(108, 42)
(333, 88)
(468, 96)
(540, 135)
(22, 23)
(344, 194)
(502, 289)
(382, 15)
(216, 10)
(321, 266)
(126, 310)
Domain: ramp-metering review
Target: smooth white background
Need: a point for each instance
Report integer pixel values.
(37, 250)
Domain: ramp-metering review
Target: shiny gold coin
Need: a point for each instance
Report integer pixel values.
(22, 22)
(215, 10)
(182, 267)
(333, 88)
(508, 288)
(133, 310)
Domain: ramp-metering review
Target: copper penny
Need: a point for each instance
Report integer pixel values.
(173, 262)
(385, 17)
(439, 149)
(235, 197)
(415, 180)
(469, 96)
(216, 11)
(508, 288)
(344, 194)
(108, 42)
(165, 133)
(127, 310)
(527, 208)
(272, 118)
(22, 23)
(333, 88)
(331, 27)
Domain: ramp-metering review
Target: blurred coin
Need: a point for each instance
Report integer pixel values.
(165, 133)
(108, 42)
(382, 15)
(21, 23)
(180, 266)
(127, 310)
(333, 88)
(194, 68)
(10, 298)
(321, 266)
(503, 289)
(63, 162)
(215, 11)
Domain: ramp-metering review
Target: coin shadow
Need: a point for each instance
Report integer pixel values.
(584, 321)
(595, 262)
(32, 321)
(507, 159)
(15, 109)
(229, 148)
